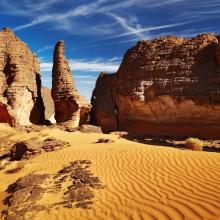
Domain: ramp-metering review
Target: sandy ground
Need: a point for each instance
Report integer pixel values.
(141, 181)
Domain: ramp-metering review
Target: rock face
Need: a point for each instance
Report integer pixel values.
(168, 86)
(71, 109)
(20, 83)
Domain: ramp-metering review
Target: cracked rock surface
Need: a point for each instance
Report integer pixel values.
(73, 187)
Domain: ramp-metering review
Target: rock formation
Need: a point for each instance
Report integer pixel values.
(73, 186)
(20, 95)
(167, 86)
(71, 109)
(28, 149)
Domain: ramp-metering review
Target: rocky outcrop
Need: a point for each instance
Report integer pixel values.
(168, 86)
(73, 186)
(20, 83)
(71, 109)
(28, 149)
(23, 194)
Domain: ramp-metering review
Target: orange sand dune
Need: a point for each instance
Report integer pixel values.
(142, 182)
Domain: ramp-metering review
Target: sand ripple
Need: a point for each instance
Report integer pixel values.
(141, 181)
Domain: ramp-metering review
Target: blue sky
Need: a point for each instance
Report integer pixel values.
(97, 33)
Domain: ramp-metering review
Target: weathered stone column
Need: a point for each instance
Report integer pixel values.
(68, 103)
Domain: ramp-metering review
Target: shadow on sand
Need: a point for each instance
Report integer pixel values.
(179, 143)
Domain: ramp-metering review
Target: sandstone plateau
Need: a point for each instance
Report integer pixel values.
(168, 87)
(71, 109)
(20, 83)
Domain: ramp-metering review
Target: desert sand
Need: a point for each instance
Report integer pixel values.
(140, 181)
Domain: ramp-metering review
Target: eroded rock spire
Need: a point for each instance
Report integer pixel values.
(71, 109)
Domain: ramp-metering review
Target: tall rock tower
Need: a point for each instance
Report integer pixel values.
(71, 109)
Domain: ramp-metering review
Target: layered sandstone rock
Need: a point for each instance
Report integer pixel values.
(167, 86)
(71, 109)
(20, 95)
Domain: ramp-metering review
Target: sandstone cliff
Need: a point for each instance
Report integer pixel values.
(167, 86)
(71, 109)
(20, 95)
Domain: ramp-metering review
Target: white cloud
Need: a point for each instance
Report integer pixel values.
(117, 5)
(44, 49)
(96, 65)
(138, 30)
(45, 67)
(87, 82)
(131, 29)
(85, 65)
(25, 7)
(62, 20)
(77, 20)
(81, 10)
(38, 20)
(82, 77)
(116, 59)
(162, 3)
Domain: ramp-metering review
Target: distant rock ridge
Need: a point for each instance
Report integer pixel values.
(71, 109)
(20, 83)
(168, 86)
